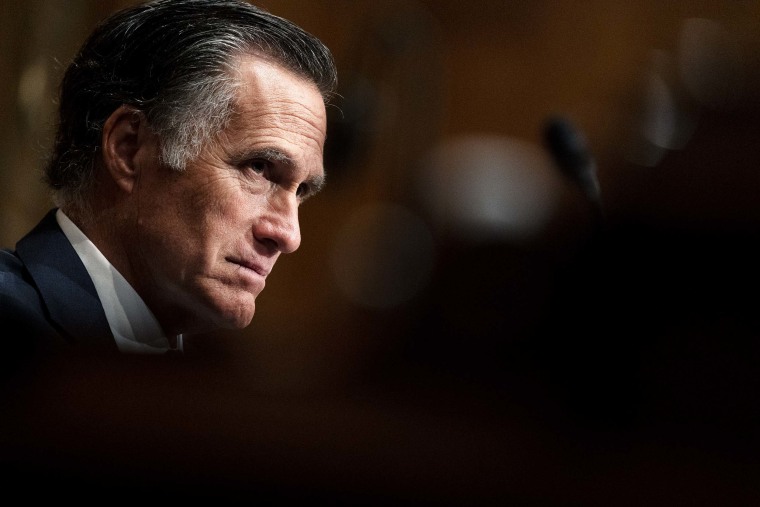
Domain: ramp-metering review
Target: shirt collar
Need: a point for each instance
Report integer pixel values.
(133, 325)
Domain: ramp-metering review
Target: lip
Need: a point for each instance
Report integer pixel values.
(250, 270)
(257, 268)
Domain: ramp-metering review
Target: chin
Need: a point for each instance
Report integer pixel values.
(239, 317)
(228, 309)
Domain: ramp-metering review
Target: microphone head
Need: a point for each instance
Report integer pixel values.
(570, 151)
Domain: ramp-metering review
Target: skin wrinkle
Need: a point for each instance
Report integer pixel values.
(227, 212)
(188, 133)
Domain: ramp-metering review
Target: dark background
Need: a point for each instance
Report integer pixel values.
(502, 349)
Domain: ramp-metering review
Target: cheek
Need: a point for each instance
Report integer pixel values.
(197, 219)
(215, 222)
(179, 225)
(203, 202)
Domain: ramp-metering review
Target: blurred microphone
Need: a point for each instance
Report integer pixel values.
(571, 154)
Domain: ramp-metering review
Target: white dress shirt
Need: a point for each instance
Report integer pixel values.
(134, 326)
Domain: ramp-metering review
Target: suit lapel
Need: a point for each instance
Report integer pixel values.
(65, 285)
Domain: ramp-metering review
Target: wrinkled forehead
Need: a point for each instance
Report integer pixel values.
(266, 87)
(257, 60)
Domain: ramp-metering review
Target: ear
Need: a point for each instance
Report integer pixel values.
(125, 133)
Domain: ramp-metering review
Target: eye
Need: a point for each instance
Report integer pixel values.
(303, 190)
(259, 166)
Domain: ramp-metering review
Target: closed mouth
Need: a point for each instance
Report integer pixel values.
(251, 266)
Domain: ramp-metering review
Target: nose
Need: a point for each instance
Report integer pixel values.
(278, 227)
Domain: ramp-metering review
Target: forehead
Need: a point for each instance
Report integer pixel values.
(274, 111)
(269, 96)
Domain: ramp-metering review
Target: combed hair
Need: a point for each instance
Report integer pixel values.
(173, 60)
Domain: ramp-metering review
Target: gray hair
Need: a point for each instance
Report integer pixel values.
(172, 60)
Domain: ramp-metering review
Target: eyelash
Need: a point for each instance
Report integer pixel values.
(302, 191)
(260, 166)
(263, 164)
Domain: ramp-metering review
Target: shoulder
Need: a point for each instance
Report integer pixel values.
(9, 261)
(16, 285)
(24, 323)
(25, 329)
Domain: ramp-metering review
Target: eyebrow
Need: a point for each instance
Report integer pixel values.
(273, 154)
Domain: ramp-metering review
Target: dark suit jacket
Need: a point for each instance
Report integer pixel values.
(48, 302)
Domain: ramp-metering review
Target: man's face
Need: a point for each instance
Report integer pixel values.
(207, 238)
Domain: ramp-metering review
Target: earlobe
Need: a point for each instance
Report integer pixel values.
(120, 144)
